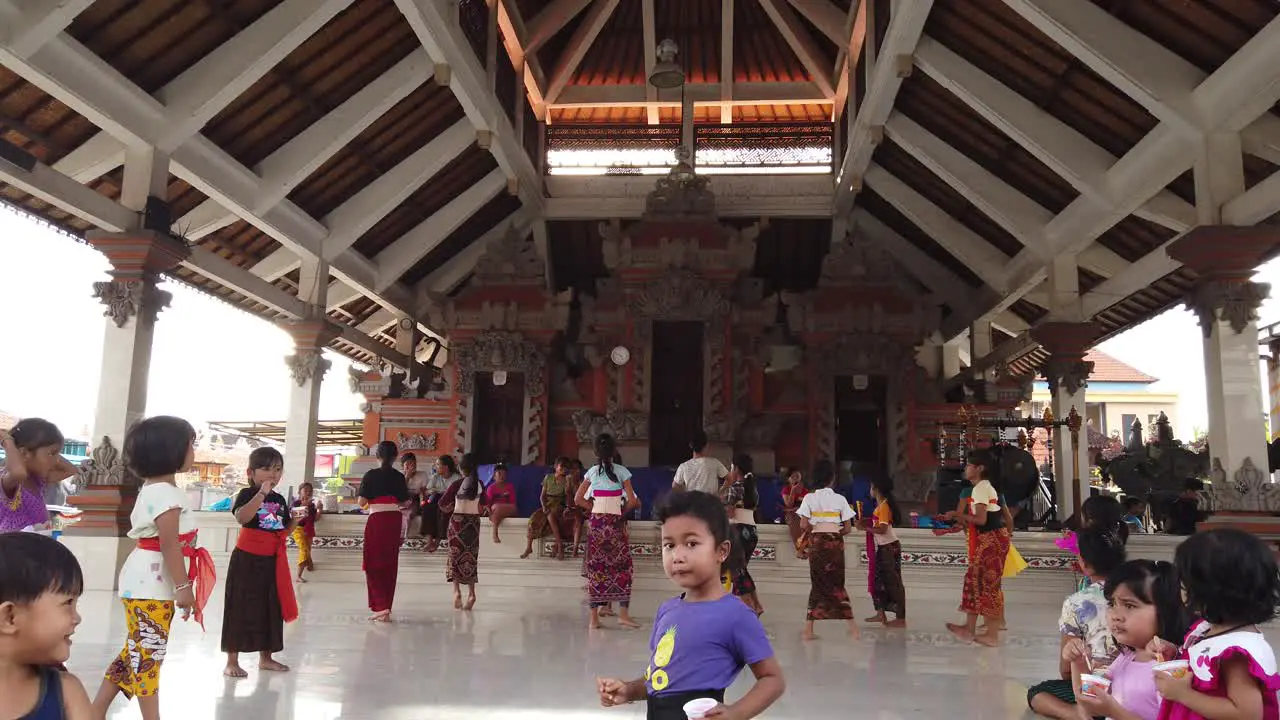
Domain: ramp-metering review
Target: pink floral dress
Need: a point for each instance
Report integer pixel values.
(1206, 656)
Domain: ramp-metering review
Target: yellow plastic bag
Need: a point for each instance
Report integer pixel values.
(1013, 562)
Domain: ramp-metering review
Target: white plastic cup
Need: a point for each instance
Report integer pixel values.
(698, 709)
(1176, 668)
(1094, 685)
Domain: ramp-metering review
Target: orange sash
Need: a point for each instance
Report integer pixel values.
(265, 544)
(200, 571)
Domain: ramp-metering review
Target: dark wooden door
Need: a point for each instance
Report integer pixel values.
(675, 401)
(498, 422)
(861, 423)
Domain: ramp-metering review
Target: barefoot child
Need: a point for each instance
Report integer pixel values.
(702, 639)
(607, 494)
(825, 516)
(1230, 581)
(305, 513)
(464, 501)
(154, 578)
(259, 597)
(885, 569)
(40, 583)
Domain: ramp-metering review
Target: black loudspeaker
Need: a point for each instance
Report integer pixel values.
(948, 485)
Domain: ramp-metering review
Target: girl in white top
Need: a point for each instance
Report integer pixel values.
(155, 578)
(824, 517)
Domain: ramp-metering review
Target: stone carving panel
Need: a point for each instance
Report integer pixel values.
(1250, 489)
(496, 350)
(307, 365)
(1233, 302)
(417, 441)
(534, 410)
(510, 258)
(679, 295)
(1068, 373)
(105, 466)
(624, 425)
(128, 298)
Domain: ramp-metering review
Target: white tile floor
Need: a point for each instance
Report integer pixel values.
(527, 655)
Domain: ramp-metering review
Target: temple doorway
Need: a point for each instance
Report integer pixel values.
(497, 426)
(862, 422)
(675, 404)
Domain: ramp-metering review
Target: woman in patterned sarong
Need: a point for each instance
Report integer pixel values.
(608, 495)
(549, 516)
(464, 501)
(983, 595)
(825, 517)
(741, 497)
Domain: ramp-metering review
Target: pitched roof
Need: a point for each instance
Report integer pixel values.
(1109, 369)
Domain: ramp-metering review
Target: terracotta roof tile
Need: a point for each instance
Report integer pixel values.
(1109, 369)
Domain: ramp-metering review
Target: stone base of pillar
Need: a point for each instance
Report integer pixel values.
(106, 510)
(1265, 525)
(100, 559)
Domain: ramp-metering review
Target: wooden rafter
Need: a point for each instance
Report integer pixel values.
(583, 37)
(801, 42)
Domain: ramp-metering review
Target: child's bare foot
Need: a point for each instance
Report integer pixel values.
(899, 623)
(594, 623)
(301, 579)
(268, 664)
(235, 671)
(627, 622)
(380, 616)
(496, 539)
(877, 618)
(807, 635)
(527, 552)
(989, 639)
(853, 630)
(457, 601)
(471, 602)
(606, 611)
(961, 632)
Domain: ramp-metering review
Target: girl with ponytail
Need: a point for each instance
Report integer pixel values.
(608, 496)
(465, 503)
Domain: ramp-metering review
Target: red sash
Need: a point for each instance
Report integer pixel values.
(265, 544)
(200, 572)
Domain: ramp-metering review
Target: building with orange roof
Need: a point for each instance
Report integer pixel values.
(1118, 394)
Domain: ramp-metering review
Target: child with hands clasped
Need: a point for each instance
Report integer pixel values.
(1230, 581)
(1145, 608)
(40, 584)
(702, 639)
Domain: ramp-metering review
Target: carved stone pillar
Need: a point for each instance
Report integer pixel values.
(1067, 373)
(1227, 301)
(307, 366)
(133, 300)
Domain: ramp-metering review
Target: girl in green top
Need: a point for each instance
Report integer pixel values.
(549, 517)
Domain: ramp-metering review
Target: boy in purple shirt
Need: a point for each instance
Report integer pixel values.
(702, 639)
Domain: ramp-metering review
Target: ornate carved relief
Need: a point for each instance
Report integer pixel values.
(510, 258)
(1070, 374)
(864, 354)
(499, 350)
(462, 424)
(624, 425)
(681, 194)
(759, 431)
(858, 261)
(533, 413)
(128, 298)
(1231, 301)
(1250, 489)
(716, 413)
(306, 365)
(105, 466)
(680, 295)
(417, 441)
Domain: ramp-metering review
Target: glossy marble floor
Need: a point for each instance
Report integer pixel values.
(527, 655)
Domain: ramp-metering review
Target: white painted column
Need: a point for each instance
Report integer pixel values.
(1273, 394)
(950, 361)
(1065, 460)
(307, 367)
(980, 347)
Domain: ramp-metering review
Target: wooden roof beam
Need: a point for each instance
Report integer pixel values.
(726, 62)
(1062, 149)
(744, 93)
(650, 31)
(92, 159)
(967, 246)
(1017, 214)
(193, 98)
(1256, 204)
(26, 25)
(362, 211)
(76, 76)
(403, 254)
(551, 20)
(826, 17)
(932, 274)
(1261, 139)
(573, 54)
(905, 28)
(293, 163)
(801, 43)
(65, 193)
(1156, 78)
(849, 56)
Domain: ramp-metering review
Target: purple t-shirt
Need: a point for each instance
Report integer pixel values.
(703, 645)
(22, 509)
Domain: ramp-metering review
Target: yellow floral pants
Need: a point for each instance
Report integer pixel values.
(304, 548)
(136, 670)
